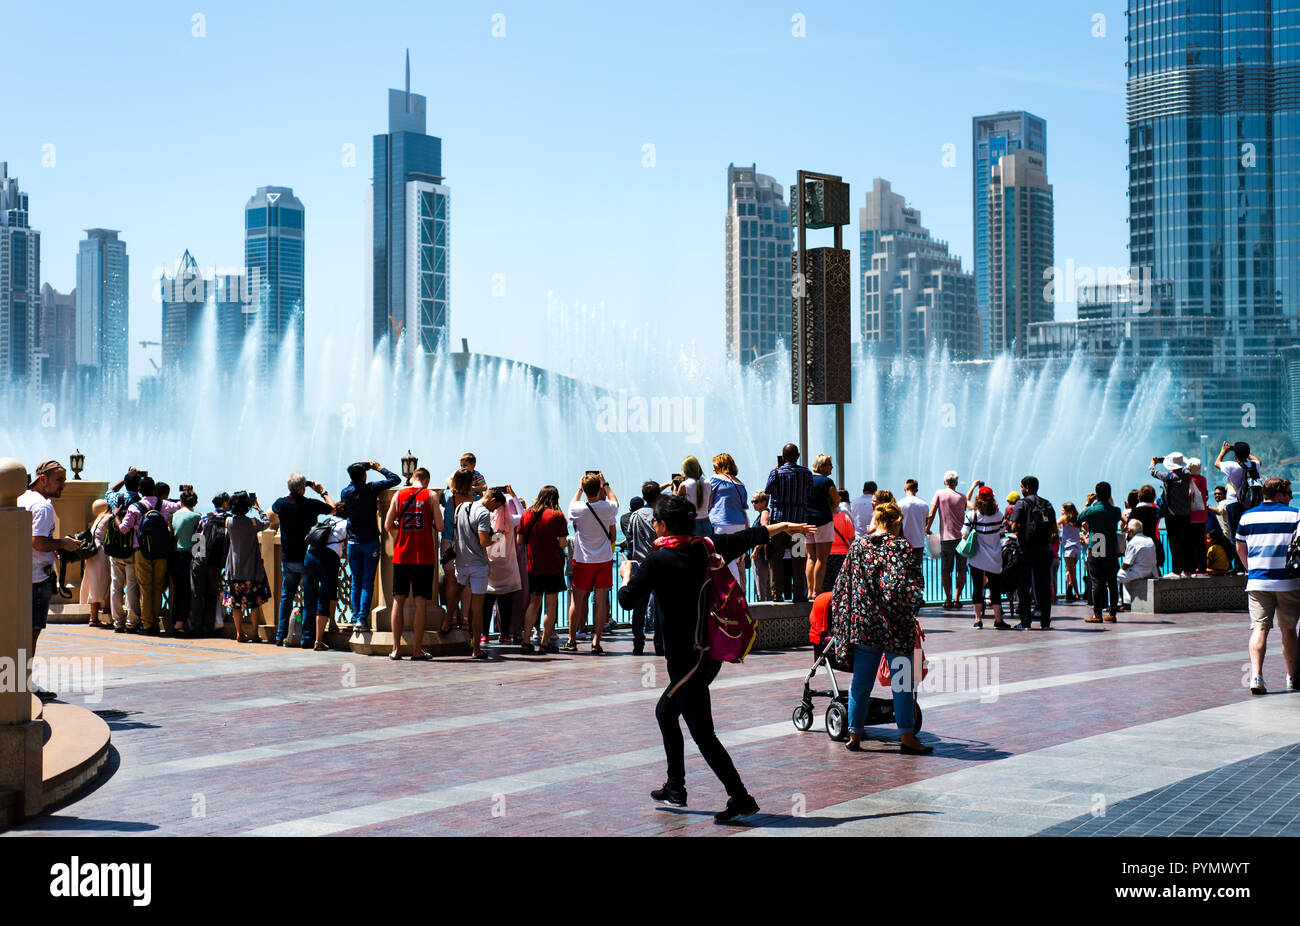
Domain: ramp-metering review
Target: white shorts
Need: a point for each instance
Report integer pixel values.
(825, 533)
(476, 577)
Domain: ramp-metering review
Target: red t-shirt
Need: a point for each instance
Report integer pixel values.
(843, 534)
(541, 536)
(415, 544)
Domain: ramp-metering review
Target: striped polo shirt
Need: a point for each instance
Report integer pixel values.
(1266, 531)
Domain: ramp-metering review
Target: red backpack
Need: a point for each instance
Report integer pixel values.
(725, 631)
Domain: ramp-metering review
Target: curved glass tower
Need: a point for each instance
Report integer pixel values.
(1214, 203)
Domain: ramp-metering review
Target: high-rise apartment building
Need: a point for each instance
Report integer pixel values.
(410, 282)
(993, 136)
(758, 264)
(57, 346)
(1021, 250)
(20, 275)
(915, 295)
(274, 225)
(103, 316)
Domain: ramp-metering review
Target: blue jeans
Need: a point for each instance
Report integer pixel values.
(320, 586)
(291, 575)
(363, 560)
(866, 660)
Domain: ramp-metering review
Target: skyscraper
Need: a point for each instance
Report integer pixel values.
(1021, 248)
(991, 137)
(202, 314)
(20, 275)
(914, 293)
(758, 263)
(103, 333)
(58, 338)
(409, 228)
(1214, 192)
(273, 262)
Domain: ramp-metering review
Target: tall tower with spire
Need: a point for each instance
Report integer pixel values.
(409, 289)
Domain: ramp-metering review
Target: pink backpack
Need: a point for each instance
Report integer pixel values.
(726, 630)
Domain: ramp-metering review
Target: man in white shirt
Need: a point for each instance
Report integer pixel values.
(47, 484)
(863, 509)
(1139, 558)
(593, 513)
(914, 514)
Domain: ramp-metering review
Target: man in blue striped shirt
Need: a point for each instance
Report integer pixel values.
(1263, 535)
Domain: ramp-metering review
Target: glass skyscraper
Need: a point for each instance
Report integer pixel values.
(186, 297)
(758, 264)
(20, 276)
(103, 316)
(1214, 191)
(274, 225)
(991, 137)
(409, 291)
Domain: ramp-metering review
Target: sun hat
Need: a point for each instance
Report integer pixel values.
(1175, 460)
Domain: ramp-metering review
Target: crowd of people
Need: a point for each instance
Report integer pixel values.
(507, 559)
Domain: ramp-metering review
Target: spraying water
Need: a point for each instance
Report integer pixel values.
(612, 397)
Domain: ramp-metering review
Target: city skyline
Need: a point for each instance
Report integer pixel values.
(510, 266)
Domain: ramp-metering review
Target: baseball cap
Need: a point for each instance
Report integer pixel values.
(1013, 497)
(48, 466)
(985, 492)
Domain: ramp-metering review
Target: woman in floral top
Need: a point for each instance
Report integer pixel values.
(873, 611)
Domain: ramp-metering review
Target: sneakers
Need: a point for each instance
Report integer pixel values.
(737, 808)
(1290, 684)
(1257, 685)
(670, 794)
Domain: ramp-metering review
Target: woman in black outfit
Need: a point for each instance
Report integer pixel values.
(674, 571)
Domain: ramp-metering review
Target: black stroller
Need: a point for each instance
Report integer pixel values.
(879, 710)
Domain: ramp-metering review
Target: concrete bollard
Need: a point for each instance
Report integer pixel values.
(20, 736)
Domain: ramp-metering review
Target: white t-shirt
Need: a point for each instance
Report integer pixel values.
(988, 553)
(591, 542)
(1234, 472)
(914, 512)
(42, 526)
(862, 510)
(688, 492)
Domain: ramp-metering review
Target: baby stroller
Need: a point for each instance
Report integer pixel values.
(879, 710)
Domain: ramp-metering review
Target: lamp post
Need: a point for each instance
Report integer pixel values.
(409, 463)
(77, 462)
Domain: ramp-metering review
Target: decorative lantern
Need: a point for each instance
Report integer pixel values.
(409, 463)
(78, 463)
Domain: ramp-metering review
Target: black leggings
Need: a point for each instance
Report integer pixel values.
(691, 701)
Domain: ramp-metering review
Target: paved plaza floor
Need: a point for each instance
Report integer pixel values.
(1141, 727)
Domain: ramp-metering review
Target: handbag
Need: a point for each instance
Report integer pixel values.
(933, 546)
(969, 545)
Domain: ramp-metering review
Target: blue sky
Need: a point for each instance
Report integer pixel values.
(165, 135)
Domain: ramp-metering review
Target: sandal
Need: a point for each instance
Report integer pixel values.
(395, 656)
(423, 657)
(596, 650)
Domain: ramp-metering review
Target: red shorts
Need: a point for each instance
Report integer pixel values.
(589, 577)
